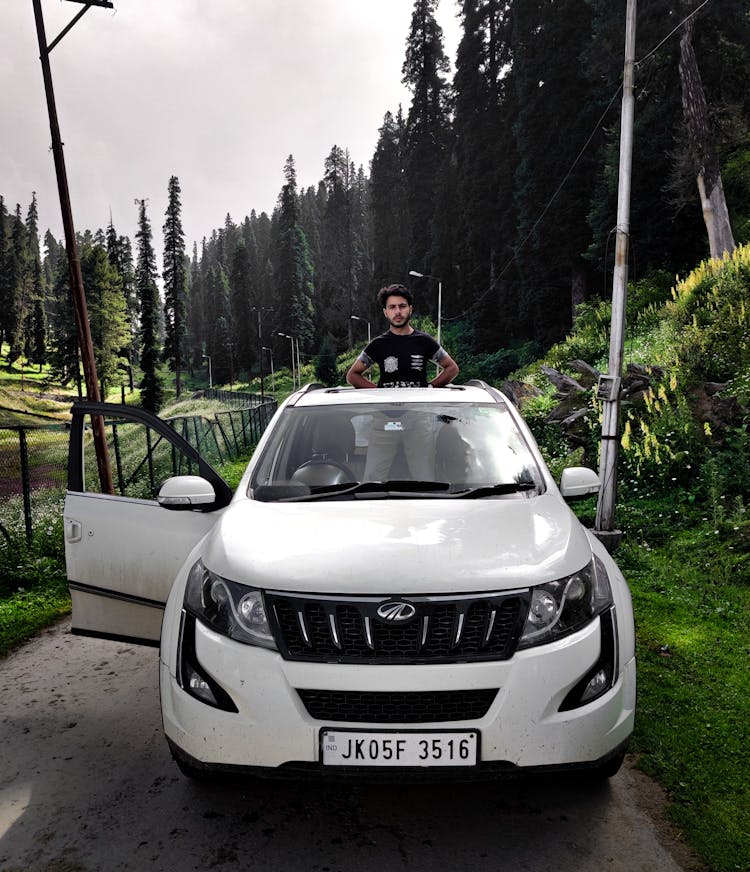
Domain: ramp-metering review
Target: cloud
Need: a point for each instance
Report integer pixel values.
(217, 93)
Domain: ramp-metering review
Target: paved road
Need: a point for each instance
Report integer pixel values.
(86, 783)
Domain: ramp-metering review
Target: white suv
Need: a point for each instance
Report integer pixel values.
(396, 584)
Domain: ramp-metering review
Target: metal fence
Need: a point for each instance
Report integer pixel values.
(34, 460)
(225, 436)
(33, 473)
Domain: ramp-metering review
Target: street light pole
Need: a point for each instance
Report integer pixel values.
(420, 275)
(291, 341)
(260, 349)
(273, 377)
(357, 318)
(210, 376)
(78, 293)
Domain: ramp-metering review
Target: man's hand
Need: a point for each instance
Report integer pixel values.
(355, 376)
(450, 371)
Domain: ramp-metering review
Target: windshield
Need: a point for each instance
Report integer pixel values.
(426, 449)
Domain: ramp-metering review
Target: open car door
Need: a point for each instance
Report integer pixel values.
(123, 551)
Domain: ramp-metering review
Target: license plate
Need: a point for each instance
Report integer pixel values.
(354, 748)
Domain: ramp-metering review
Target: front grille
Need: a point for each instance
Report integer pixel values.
(443, 629)
(423, 707)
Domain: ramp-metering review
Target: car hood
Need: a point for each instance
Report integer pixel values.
(398, 546)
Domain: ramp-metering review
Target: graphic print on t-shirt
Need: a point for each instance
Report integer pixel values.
(417, 362)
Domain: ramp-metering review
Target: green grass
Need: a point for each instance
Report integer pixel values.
(33, 585)
(691, 595)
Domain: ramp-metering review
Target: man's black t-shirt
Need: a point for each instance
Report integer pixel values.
(402, 358)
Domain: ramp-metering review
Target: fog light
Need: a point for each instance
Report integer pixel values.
(603, 674)
(199, 687)
(191, 676)
(597, 685)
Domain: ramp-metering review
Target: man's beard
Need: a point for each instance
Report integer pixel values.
(403, 323)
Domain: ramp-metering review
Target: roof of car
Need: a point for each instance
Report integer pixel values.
(316, 395)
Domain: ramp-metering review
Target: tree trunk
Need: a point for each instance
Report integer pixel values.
(703, 149)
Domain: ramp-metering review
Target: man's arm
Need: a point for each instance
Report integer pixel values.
(450, 371)
(355, 375)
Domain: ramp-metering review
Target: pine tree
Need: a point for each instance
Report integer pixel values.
(390, 229)
(294, 272)
(326, 370)
(553, 118)
(175, 280)
(220, 332)
(63, 351)
(15, 277)
(240, 297)
(4, 266)
(362, 246)
(34, 289)
(427, 128)
(336, 247)
(195, 340)
(107, 314)
(120, 254)
(152, 391)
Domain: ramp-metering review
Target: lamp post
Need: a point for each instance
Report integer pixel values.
(258, 309)
(210, 376)
(357, 318)
(273, 375)
(291, 342)
(419, 275)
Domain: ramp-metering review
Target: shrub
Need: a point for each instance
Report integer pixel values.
(589, 339)
(326, 370)
(662, 441)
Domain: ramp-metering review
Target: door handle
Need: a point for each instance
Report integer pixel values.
(72, 531)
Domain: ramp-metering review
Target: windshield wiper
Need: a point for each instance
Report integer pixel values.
(372, 490)
(404, 489)
(489, 490)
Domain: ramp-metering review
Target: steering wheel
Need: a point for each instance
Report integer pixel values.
(322, 473)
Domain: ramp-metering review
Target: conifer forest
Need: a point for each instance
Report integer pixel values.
(499, 180)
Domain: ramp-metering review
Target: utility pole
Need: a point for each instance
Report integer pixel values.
(609, 385)
(259, 310)
(78, 293)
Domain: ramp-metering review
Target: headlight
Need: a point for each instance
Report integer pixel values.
(561, 607)
(232, 609)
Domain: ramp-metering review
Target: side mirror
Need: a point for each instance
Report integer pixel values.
(577, 482)
(186, 492)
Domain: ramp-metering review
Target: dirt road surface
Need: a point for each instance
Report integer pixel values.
(87, 784)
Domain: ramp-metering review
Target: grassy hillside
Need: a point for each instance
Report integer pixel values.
(684, 488)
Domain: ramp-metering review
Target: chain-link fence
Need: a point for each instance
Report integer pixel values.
(225, 436)
(33, 472)
(33, 460)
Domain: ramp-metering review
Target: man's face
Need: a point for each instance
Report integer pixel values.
(397, 311)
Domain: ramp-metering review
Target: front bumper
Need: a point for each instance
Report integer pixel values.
(523, 728)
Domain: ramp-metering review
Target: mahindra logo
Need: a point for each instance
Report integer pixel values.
(396, 611)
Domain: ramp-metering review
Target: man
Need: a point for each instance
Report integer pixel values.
(402, 353)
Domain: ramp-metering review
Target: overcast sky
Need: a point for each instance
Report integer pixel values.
(217, 92)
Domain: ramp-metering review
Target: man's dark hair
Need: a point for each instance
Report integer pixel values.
(394, 291)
